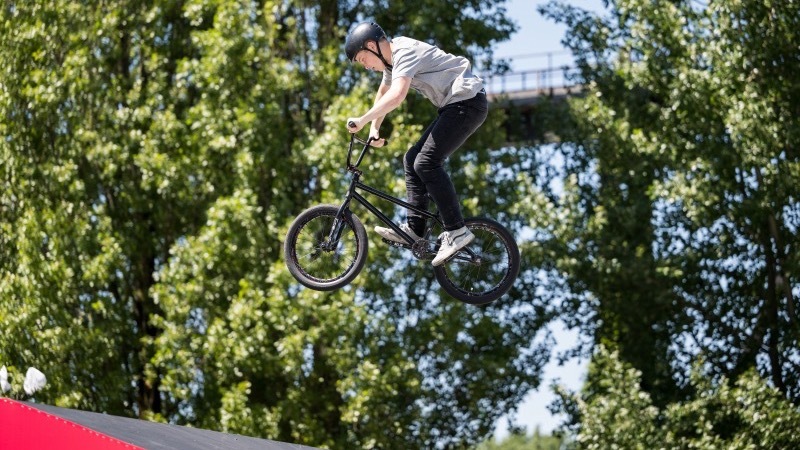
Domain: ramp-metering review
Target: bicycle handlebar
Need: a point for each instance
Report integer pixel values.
(358, 139)
(354, 139)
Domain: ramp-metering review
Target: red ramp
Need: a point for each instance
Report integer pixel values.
(32, 426)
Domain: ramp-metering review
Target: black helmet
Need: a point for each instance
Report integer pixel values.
(358, 38)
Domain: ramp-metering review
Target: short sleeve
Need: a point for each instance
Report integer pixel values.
(405, 64)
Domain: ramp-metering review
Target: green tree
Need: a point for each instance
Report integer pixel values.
(676, 233)
(521, 441)
(153, 154)
(618, 413)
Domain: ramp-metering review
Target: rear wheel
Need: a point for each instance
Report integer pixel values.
(485, 269)
(316, 256)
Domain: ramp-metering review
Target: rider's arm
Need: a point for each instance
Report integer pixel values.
(388, 101)
(376, 123)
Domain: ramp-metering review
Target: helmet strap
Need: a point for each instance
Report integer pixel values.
(379, 54)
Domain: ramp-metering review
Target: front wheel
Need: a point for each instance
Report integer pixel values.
(485, 269)
(324, 252)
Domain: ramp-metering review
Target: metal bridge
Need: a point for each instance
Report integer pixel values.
(526, 87)
(518, 92)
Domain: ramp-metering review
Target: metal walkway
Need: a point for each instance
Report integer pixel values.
(526, 87)
(519, 93)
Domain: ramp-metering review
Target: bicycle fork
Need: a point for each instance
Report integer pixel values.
(338, 221)
(337, 228)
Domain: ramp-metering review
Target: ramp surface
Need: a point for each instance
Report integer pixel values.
(155, 436)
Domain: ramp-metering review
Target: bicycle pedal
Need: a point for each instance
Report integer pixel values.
(395, 244)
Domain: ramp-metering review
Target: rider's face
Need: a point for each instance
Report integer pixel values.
(369, 60)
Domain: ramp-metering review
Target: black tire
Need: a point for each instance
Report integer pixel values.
(492, 275)
(315, 267)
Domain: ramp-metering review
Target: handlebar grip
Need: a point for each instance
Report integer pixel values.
(351, 124)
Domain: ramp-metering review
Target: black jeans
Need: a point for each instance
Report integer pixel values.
(424, 162)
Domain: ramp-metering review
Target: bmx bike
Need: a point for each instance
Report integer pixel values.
(326, 245)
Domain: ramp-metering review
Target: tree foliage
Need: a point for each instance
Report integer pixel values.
(744, 414)
(521, 441)
(153, 154)
(676, 234)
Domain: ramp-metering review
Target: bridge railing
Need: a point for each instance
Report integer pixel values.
(531, 80)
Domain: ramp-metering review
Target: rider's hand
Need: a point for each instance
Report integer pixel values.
(377, 140)
(354, 121)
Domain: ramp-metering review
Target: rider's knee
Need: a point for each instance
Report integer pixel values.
(409, 159)
(426, 168)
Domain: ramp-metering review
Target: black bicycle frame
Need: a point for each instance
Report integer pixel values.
(353, 194)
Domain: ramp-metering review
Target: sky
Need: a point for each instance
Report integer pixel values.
(528, 49)
(536, 35)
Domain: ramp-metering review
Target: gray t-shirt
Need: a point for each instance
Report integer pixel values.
(441, 77)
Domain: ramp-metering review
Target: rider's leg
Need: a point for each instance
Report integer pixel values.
(455, 123)
(415, 187)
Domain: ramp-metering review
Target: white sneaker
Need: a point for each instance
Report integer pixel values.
(452, 242)
(389, 234)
